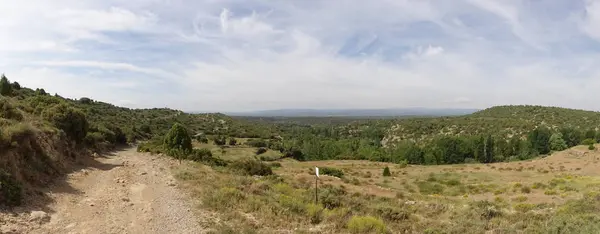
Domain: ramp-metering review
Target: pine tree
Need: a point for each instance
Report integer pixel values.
(557, 143)
(489, 149)
(5, 86)
(178, 142)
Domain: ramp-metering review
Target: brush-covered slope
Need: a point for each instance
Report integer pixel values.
(504, 121)
(41, 135)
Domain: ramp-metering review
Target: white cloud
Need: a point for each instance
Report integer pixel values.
(107, 66)
(229, 56)
(591, 22)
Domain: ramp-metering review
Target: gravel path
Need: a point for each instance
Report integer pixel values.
(128, 193)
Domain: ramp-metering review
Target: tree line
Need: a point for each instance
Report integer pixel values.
(328, 143)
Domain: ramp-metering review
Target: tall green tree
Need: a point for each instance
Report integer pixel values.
(479, 148)
(557, 143)
(489, 149)
(571, 136)
(540, 140)
(514, 146)
(178, 142)
(415, 155)
(5, 86)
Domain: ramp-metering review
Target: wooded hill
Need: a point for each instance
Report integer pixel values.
(500, 121)
(42, 134)
(503, 133)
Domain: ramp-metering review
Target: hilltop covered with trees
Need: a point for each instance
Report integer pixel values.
(504, 133)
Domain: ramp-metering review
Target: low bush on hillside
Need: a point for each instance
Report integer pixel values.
(205, 156)
(331, 171)
(154, 145)
(8, 111)
(202, 139)
(72, 121)
(220, 140)
(260, 151)
(386, 171)
(200, 155)
(366, 224)
(588, 141)
(256, 143)
(251, 167)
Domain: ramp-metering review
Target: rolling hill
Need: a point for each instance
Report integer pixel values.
(504, 121)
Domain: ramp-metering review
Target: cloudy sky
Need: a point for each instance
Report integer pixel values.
(224, 55)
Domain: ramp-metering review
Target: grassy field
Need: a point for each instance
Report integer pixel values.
(554, 194)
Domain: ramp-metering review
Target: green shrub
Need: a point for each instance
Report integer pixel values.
(550, 192)
(15, 133)
(315, 213)
(86, 101)
(430, 188)
(178, 142)
(386, 171)
(591, 147)
(42, 102)
(154, 145)
(224, 198)
(8, 111)
(292, 204)
(261, 150)
(200, 155)
(145, 128)
(392, 213)
(451, 182)
(220, 140)
(251, 167)
(524, 207)
(520, 199)
(525, 189)
(538, 185)
(256, 143)
(11, 191)
(588, 141)
(93, 138)
(72, 121)
(366, 224)
(275, 164)
(332, 172)
(331, 197)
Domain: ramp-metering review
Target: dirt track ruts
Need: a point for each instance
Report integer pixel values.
(127, 192)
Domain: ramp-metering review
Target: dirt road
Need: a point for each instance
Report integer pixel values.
(125, 192)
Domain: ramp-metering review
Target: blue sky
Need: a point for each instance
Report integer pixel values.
(224, 55)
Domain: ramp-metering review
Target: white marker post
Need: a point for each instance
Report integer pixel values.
(316, 185)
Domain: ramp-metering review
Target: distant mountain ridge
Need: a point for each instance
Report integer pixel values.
(418, 111)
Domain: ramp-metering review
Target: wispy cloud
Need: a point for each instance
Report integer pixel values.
(231, 56)
(107, 66)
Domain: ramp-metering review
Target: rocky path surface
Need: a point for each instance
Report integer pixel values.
(127, 192)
